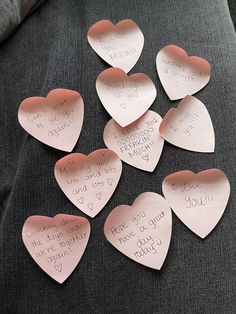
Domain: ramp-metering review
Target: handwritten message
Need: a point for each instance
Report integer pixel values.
(126, 98)
(199, 200)
(56, 244)
(55, 120)
(141, 231)
(189, 126)
(119, 45)
(89, 181)
(139, 144)
(181, 75)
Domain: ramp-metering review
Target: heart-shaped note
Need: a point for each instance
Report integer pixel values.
(89, 181)
(56, 244)
(199, 200)
(189, 126)
(55, 120)
(139, 144)
(181, 75)
(126, 98)
(141, 231)
(119, 45)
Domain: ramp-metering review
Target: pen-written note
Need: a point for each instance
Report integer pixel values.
(56, 244)
(199, 200)
(55, 120)
(126, 98)
(138, 144)
(89, 181)
(119, 45)
(141, 231)
(189, 126)
(180, 74)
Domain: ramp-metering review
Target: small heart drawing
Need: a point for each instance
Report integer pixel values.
(133, 142)
(89, 177)
(117, 91)
(141, 231)
(81, 199)
(119, 45)
(55, 120)
(181, 75)
(146, 157)
(70, 161)
(189, 126)
(99, 195)
(58, 267)
(56, 244)
(109, 181)
(199, 200)
(90, 206)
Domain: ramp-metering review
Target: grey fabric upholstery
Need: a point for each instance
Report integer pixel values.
(50, 50)
(12, 13)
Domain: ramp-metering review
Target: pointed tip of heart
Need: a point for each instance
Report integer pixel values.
(60, 281)
(201, 234)
(92, 215)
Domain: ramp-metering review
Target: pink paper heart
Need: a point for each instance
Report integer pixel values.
(141, 231)
(119, 45)
(126, 98)
(189, 126)
(199, 200)
(55, 120)
(139, 144)
(89, 181)
(181, 75)
(56, 244)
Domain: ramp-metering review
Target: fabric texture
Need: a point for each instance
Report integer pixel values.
(232, 8)
(12, 13)
(50, 50)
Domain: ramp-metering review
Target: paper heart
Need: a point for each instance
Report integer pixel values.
(119, 45)
(55, 120)
(189, 126)
(141, 231)
(181, 75)
(56, 244)
(199, 200)
(89, 181)
(139, 144)
(126, 98)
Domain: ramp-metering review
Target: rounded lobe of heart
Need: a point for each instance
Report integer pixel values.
(199, 200)
(55, 120)
(127, 233)
(119, 45)
(136, 92)
(40, 233)
(89, 181)
(181, 75)
(189, 126)
(149, 145)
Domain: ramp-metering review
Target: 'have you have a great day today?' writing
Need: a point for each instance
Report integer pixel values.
(141, 231)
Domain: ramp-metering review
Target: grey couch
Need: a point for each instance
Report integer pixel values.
(50, 50)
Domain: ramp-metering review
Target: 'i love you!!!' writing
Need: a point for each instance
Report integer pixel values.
(201, 199)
